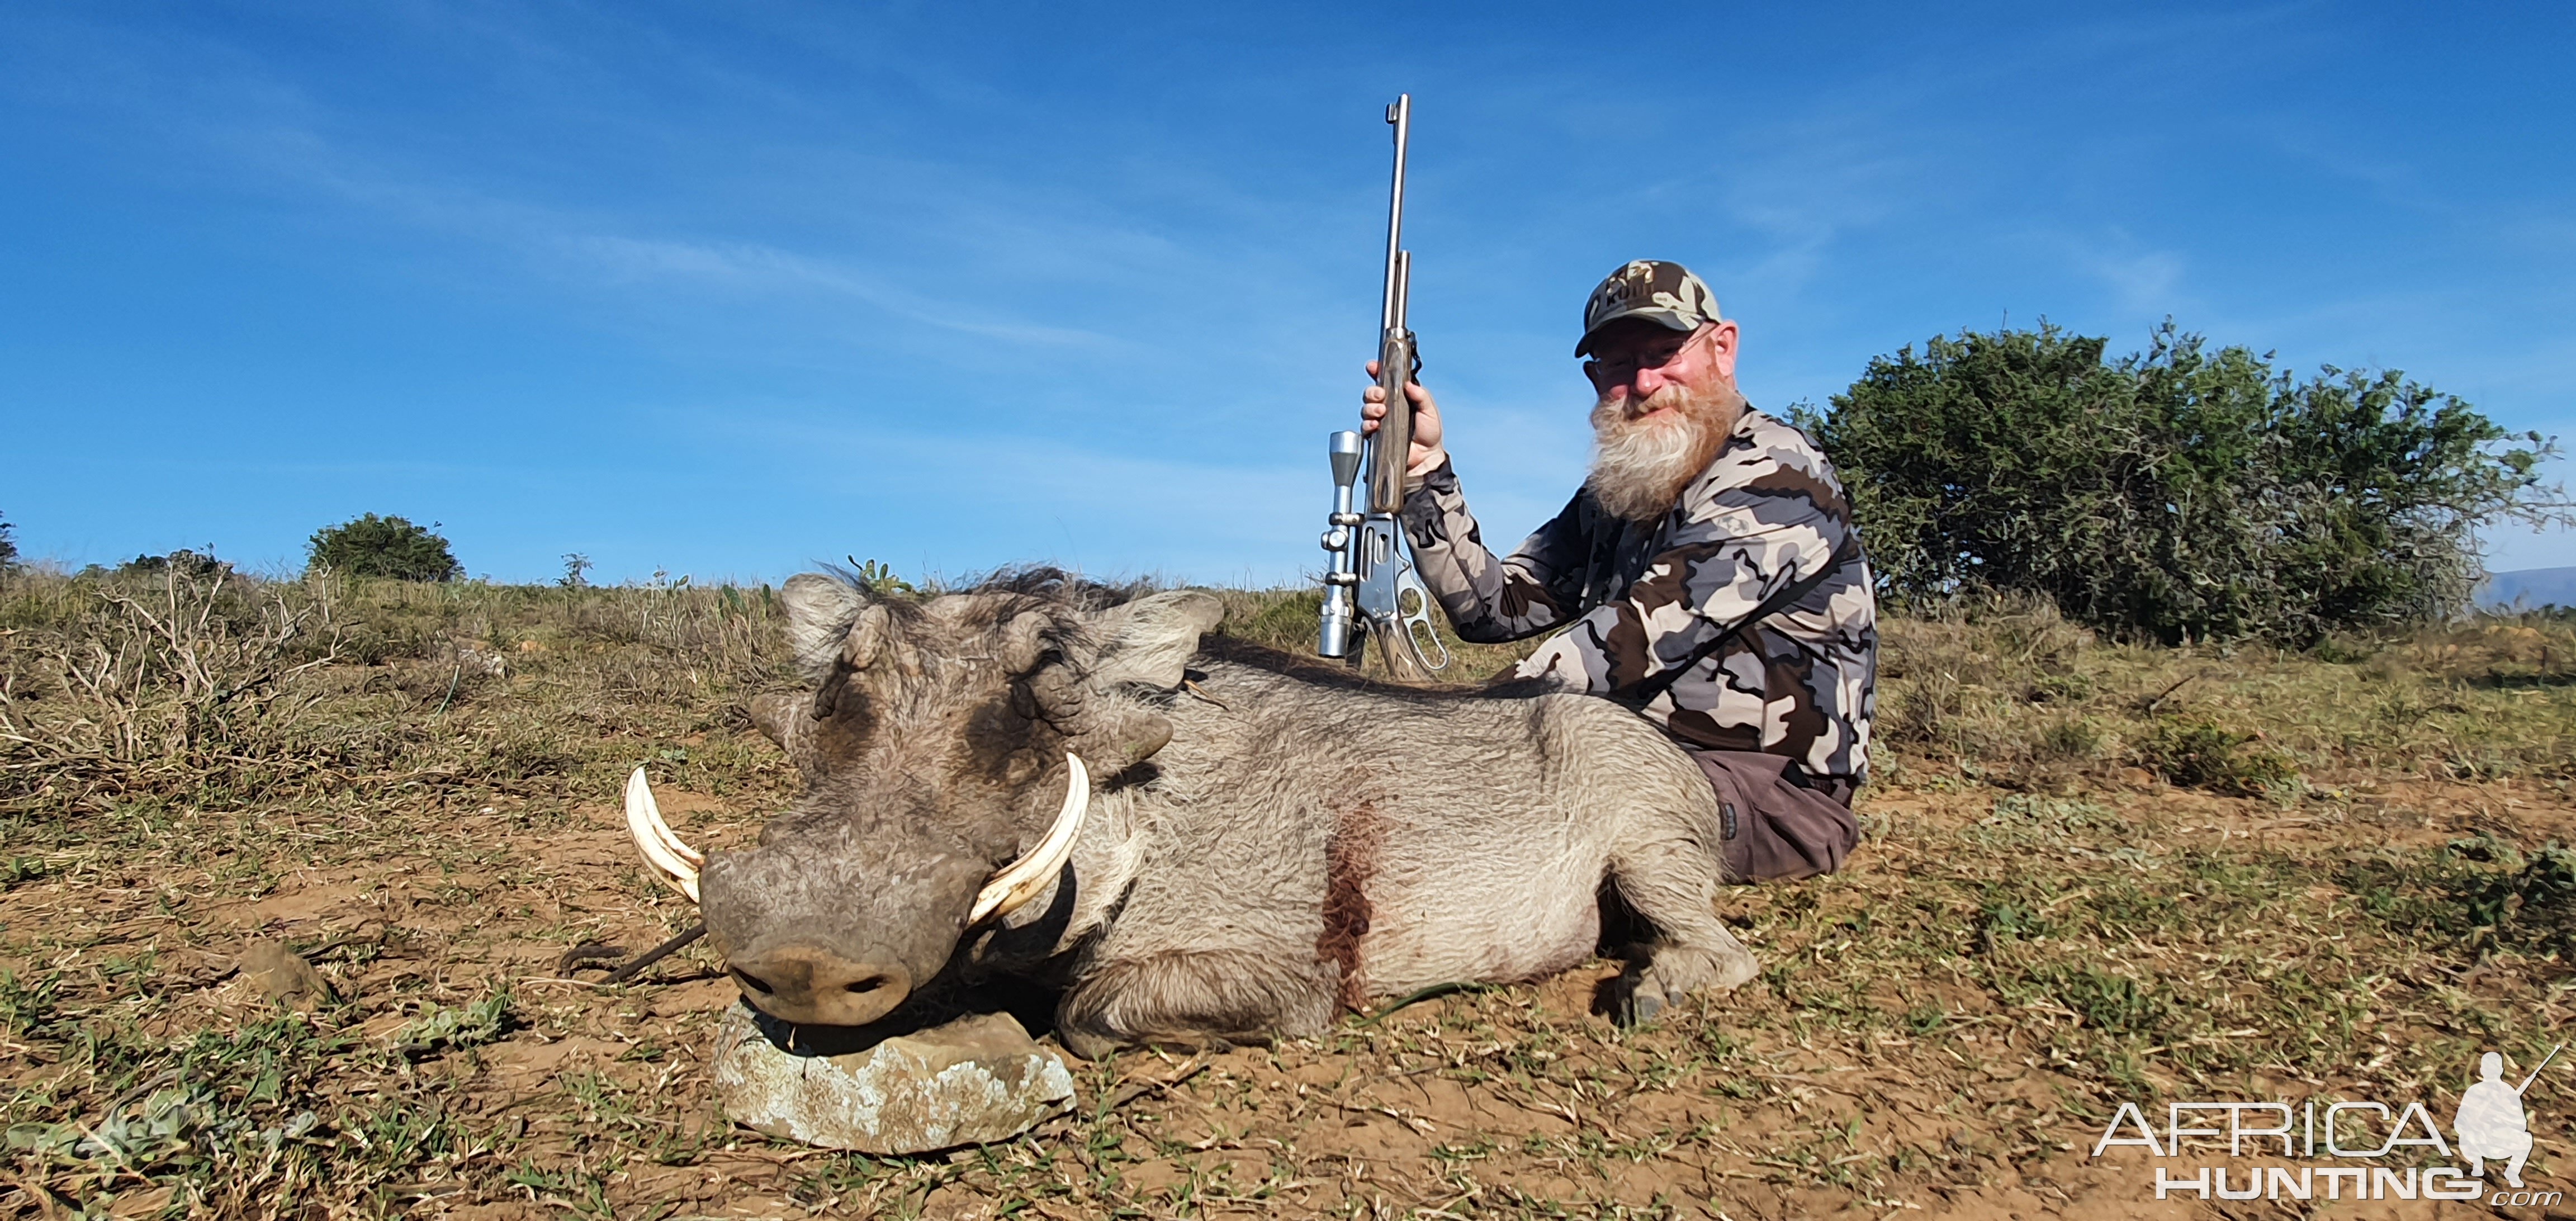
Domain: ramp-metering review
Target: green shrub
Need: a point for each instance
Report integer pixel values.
(373, 546)
(2176, 494)
(2477, 889)
(2112, 1004)
(26, 1006)
(8, 547)
(880, 580)
(441, 1027)
(2074, 738)
(184, 562)
(2201, 755)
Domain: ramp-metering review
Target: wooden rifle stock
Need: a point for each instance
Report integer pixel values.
(1387, 458)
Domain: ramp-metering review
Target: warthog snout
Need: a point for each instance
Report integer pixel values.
(819, 934)
(811, 985)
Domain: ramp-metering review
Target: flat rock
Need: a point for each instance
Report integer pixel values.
(975, 1080)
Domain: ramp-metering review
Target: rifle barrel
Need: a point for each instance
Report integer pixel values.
(1391, 312)
(2535, 1072)
(1392, 447)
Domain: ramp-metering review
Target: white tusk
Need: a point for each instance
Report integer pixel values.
(1021, 880)
(674, 862)
(671, 840)
(639, 802)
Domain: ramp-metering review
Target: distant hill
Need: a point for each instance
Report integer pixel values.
(2529, 588)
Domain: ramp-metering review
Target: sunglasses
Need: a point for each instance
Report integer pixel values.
(1621, 370)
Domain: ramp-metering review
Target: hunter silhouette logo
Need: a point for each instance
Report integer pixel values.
(2490, 1120)
(2341, 1149)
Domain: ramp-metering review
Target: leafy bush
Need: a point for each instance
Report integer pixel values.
(373, 546)
(2478, 889)
(441, 1027)
(183, 562)
(2538, 897)
(8, 547)
(26, 1007)
(2201, 755)
(879, 579)
(2176, 494)
(2113, 1004)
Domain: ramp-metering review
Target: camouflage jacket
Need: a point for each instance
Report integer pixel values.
(1630, 601)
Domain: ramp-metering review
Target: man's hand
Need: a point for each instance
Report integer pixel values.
(1426, 452)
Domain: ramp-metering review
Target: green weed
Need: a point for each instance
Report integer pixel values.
(2199, 754)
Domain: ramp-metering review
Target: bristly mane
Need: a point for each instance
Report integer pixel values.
(1242, 652)
(1039, 586)
(1029, 588)
(1052, 584)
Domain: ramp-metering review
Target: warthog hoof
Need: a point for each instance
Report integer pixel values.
(1094, 1045)
(1669, 973)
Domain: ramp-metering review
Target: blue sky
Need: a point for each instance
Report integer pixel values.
(726, 290)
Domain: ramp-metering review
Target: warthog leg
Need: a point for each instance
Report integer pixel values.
(1672, 881)
(1196, 999)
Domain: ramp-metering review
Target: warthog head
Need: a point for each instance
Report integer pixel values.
(949, 752)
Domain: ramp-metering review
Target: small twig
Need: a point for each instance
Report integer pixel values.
(1134, 1092)
(580, 954)
(41, 1198)
(452, 680)
(2153, 704)
(1430, 993)
(589, 951)
(781, 1159)
(140, 1091)
(1201, 692)
(657, 954)
(382, 935)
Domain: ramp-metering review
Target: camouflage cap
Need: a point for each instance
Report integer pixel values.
(1648, 288)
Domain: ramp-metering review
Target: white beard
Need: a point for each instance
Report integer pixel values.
(1639, 465)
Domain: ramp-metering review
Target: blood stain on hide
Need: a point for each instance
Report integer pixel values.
(1350, 857)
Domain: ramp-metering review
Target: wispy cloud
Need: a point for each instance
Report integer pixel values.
(229, 115)
(2141, 279)
(753, 267)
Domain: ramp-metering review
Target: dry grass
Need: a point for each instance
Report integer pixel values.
(2354, 892)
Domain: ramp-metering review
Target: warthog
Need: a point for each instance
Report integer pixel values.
(1195, 839)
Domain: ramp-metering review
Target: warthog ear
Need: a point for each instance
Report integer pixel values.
(1149, 641)
(819, 612)
(1023, 641)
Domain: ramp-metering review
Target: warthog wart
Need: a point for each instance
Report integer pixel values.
(1014, 781)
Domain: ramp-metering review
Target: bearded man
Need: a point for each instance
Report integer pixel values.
(1707, 574)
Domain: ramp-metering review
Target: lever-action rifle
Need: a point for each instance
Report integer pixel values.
(1371, 583)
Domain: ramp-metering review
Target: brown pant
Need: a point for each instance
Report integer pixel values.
(1772, 830)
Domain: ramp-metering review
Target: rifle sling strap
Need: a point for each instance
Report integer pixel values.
(1656, 684)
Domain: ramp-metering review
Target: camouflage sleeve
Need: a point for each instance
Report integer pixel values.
(1491, 600)
(1738, 545)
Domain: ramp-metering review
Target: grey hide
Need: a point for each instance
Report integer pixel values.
(1263, 851)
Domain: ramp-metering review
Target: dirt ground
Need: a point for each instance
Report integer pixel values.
(1892, 1093)
(1944, 1029)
